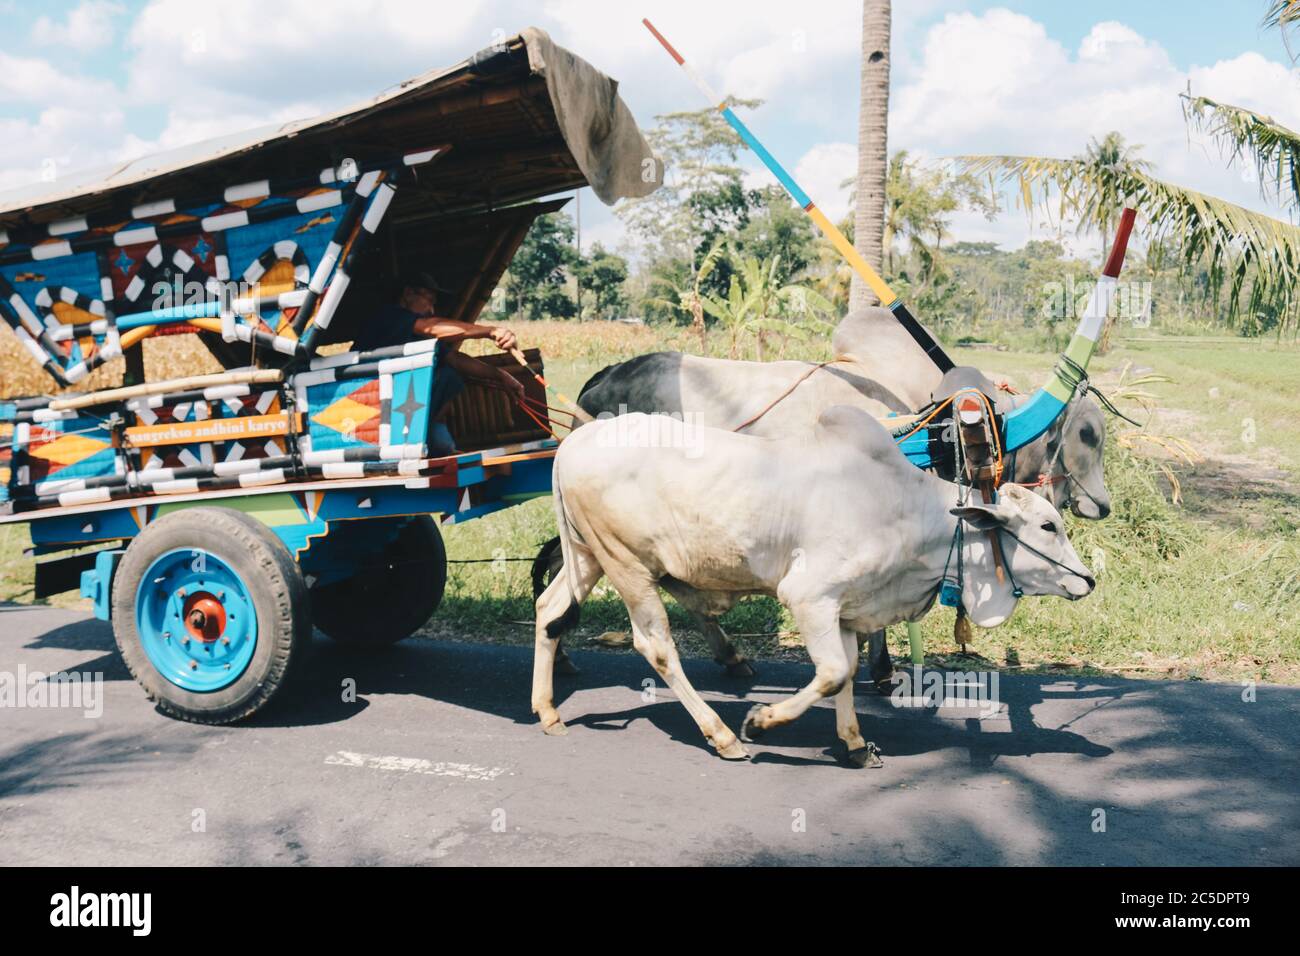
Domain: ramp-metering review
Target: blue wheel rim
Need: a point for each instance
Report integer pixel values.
(196, 658)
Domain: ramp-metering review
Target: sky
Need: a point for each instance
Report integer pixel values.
(87, 83)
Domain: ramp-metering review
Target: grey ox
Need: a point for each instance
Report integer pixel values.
(879, 369)
(835, 523)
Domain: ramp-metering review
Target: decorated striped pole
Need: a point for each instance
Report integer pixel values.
(575, 409)
(1022, 425)
(888, 298)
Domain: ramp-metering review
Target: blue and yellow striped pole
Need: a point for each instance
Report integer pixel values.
(888, 298)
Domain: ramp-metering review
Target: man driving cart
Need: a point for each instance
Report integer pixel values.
(414, 316)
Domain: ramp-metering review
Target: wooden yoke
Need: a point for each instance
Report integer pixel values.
(983, 466)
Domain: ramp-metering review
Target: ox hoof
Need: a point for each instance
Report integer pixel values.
(733, 751)
(742, 670)
(868, 756)
(750, 729)
(553, 726)
(884, 685)
(565, 667)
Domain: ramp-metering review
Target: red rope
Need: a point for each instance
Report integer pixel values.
(1045, 480)
(543, 423)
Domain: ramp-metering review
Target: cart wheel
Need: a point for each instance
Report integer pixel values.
(392, 600)
(209, 611)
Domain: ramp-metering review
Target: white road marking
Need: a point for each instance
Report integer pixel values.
(436, 768)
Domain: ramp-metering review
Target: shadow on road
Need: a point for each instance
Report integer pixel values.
(1186, 773)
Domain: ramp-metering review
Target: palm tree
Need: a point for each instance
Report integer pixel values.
(1283, 14)
(1273, 149)
(1111, 161)
(873, 152)
(1258, 255)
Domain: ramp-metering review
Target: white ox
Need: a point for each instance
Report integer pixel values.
(879, 369)
(836, 524)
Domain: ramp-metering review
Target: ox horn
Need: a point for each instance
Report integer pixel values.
(1036, 416)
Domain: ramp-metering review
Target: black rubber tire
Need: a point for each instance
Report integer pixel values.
(274, 584)
(391, 601)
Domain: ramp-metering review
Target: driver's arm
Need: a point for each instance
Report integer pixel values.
(454, 330)
(472, 368)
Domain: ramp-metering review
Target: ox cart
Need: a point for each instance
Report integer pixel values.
(214, 519)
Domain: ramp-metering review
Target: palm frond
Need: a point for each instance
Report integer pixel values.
(1283, 14)
(1246, 136)
(1256, 255)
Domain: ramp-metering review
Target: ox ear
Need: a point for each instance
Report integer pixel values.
(1017, 493)
(981, 517)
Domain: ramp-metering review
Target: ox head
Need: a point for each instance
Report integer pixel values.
(1063, 393)
(1040, 558)
(1077, 447)
(1067, 460)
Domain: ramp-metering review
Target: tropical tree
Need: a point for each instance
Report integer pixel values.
(1110, 160)
(1255, 255)
(758, 303)
(777, 227)
(535, 282)
(1258, 256)
(1283, 15)
(699, 151)
(920, 199)
(1247, 136)
(603, 273)
(919, 203)
(873, 147)
(681, 290)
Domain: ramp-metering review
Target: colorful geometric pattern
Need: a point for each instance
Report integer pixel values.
(208, 454)
(161, 264)
(64, 450)
(350, 415)
(6, 460)
(367, 406)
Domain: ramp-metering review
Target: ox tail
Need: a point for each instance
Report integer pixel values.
(569, 618)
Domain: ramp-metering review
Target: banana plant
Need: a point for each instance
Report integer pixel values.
(758, 303)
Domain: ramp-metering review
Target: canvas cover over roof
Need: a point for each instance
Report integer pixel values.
(518, 121)
(523, 119)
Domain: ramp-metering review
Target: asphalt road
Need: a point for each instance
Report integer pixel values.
(439, 761)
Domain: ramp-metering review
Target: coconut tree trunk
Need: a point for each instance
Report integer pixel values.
(873, 152)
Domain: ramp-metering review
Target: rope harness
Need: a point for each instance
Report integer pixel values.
(780, 398)
(1080, 385)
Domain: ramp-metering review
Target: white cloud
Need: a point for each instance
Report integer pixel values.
(60, 139)
(241, 49)
(36, 82)
(88, 26)
(820, 172)
(71, 121)
(997, 83)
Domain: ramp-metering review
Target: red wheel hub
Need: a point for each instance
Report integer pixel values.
(205, 617)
